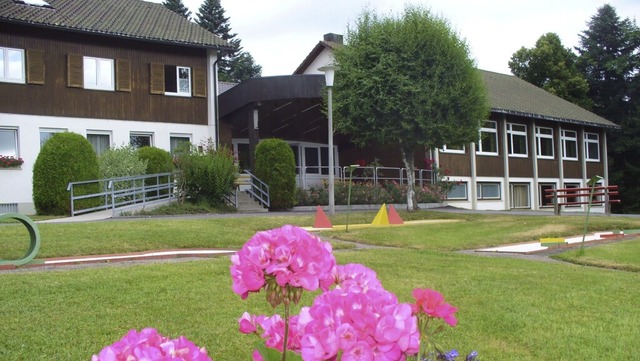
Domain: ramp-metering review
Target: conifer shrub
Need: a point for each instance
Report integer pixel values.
(64, 158)
(276, 166)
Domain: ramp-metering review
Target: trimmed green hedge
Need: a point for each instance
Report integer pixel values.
(276, 166)
(64, 158)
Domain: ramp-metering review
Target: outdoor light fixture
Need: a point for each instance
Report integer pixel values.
(329, 74)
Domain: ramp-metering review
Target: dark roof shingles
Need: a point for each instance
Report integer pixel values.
(133, 19)
(510, 94)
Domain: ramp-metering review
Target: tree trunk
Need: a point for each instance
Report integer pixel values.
(408, 159)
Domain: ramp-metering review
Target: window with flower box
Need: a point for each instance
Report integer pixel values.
(9, 155)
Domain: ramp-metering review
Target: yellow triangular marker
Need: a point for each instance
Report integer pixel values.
(382, 219)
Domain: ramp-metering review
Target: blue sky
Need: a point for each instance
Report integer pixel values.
(280, 33)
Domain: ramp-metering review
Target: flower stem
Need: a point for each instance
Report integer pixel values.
(286, 331)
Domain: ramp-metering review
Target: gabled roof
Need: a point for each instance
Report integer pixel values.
(322, 44)
(133, 19)
(509, 94)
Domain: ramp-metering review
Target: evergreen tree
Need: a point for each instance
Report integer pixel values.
(177, 7)
(233, 66)
(610, 59)
(552, 67)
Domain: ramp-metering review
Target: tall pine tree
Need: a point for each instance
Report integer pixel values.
(610, 59)
(177, 7)
(236, 66)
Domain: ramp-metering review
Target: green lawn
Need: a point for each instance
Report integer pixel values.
(623, 255)
(509, 309)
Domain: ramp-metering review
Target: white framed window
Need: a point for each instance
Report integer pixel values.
(178, 140)
(543, 201)
(517, 138)
(569, 144)
(46, 133)
(98, 73)
(488, 142)
(12, 65)
(458, 192)
(100, 140)
(459, 149)
(139, 140)
(572, 198)
(519, 195)
(9, 142)
(177, 80)
(488, 190)
(592, 147)
(544, 143)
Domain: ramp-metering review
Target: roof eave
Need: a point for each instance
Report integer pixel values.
(554, 119)
(118, 36)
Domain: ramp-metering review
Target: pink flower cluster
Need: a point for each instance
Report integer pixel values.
(290, 255)
(149, 345)
(432, 303)
(359, 319)
(271, 329)
(8, 161)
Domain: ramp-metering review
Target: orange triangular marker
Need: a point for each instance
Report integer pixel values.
(394, 217)
(322, 221)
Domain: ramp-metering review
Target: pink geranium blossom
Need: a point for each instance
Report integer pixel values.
(149, 345)
(286, 257)
(432, 303)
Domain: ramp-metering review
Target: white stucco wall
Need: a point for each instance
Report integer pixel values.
(323, 59)
(16, 184)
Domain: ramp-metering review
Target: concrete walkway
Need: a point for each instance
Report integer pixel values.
(537, 247)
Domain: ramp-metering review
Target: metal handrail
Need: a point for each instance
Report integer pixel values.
(123, 191)
(258, 189)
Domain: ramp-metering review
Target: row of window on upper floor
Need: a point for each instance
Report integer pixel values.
(28, 66)
(518, 144)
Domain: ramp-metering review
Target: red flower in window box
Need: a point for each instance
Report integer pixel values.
(9, 161)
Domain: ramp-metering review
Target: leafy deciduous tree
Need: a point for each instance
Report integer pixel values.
(552, 67)
(409, 81)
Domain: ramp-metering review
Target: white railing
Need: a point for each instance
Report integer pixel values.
(307, 177)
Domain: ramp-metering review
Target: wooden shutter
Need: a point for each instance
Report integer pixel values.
(157, 78)
(35, 66)
(200, 82)
(75, 76)
(123, 75)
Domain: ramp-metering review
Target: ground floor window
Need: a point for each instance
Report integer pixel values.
(178, 140)
(571, 199)
(543, 201)
(519, 195)
(9, 142)
(139, 140)
(458, 192)
(488, 190)
(46, 133)
(100, 141)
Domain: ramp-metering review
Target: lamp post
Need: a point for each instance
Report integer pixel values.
(329, 74)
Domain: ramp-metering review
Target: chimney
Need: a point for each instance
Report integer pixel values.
(336, 38)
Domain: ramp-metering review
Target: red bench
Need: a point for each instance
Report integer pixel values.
(579, 196)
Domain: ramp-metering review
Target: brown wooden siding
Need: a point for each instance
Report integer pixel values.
(520, 167)
(57, 99)
(572, 169)
(548, 168)
(488, 166)
(455, 164)
(594, 168)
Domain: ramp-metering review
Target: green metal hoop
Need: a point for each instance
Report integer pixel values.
(33, 234)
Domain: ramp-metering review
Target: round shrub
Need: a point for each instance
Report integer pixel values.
(276, 166)
(64, 158)
(158, 160)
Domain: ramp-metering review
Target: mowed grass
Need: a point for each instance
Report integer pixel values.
(509, 309)
(624, 255)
